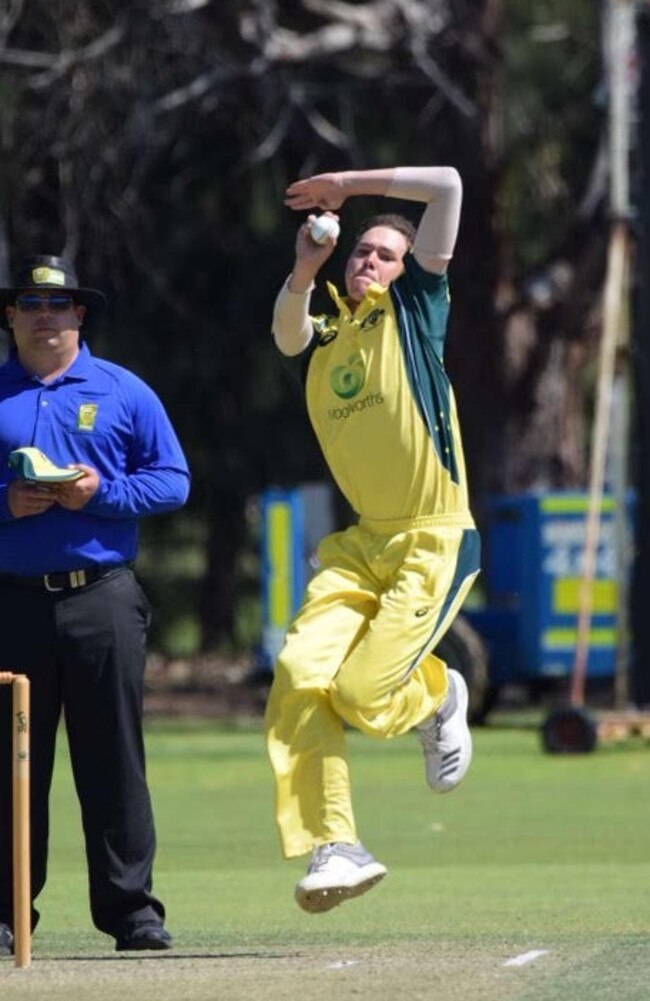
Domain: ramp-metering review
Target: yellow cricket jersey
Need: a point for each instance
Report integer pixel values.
(381, 403)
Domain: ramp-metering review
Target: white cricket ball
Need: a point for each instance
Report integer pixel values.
(323, 227)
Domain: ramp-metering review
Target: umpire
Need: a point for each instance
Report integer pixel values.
(73, 616)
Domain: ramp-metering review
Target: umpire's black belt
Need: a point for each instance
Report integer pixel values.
(64, 580)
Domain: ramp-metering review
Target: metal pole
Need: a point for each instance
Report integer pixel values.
(640, 373)
(618, 44)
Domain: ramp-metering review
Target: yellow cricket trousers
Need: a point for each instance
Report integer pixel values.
(358, 652)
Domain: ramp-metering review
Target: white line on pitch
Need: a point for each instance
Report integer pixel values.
(525, 957)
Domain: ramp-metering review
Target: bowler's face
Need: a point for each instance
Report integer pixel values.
(378, 257)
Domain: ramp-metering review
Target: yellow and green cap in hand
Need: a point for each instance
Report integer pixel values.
(32, 464)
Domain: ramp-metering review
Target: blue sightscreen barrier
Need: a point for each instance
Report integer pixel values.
(533, 574)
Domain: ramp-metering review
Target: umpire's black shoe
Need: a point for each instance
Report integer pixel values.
(143, 936)
(6, 940)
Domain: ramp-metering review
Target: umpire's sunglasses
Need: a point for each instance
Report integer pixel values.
(27, 302)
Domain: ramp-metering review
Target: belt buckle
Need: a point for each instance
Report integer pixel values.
(77, 578)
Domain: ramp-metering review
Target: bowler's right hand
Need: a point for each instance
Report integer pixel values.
(308, 250)
(310, 257)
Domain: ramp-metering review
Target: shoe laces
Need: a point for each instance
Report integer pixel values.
(431, 733)
(321, 856)
(352, 853)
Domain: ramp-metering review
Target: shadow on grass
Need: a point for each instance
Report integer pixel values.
(157, 956)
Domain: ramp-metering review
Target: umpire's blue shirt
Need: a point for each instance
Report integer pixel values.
(104, 416)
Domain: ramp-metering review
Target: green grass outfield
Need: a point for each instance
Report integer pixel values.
(532, 853)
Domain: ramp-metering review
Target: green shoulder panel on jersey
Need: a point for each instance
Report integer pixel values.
(421, 303)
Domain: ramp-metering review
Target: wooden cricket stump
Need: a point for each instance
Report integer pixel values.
(20, 812)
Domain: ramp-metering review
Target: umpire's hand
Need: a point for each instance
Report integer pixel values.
(25, 498)
(77, 493)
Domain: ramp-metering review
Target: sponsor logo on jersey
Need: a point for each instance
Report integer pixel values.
(342, 413)
(348, 380)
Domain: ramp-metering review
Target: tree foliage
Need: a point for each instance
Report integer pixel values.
(153, 141)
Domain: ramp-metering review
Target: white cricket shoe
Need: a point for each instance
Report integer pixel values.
(446, 740)
(337, 872)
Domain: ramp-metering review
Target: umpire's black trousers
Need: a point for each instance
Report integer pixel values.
(83, 650)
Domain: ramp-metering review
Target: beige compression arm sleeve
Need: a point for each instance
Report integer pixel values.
(441, 189)
(291, 327)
